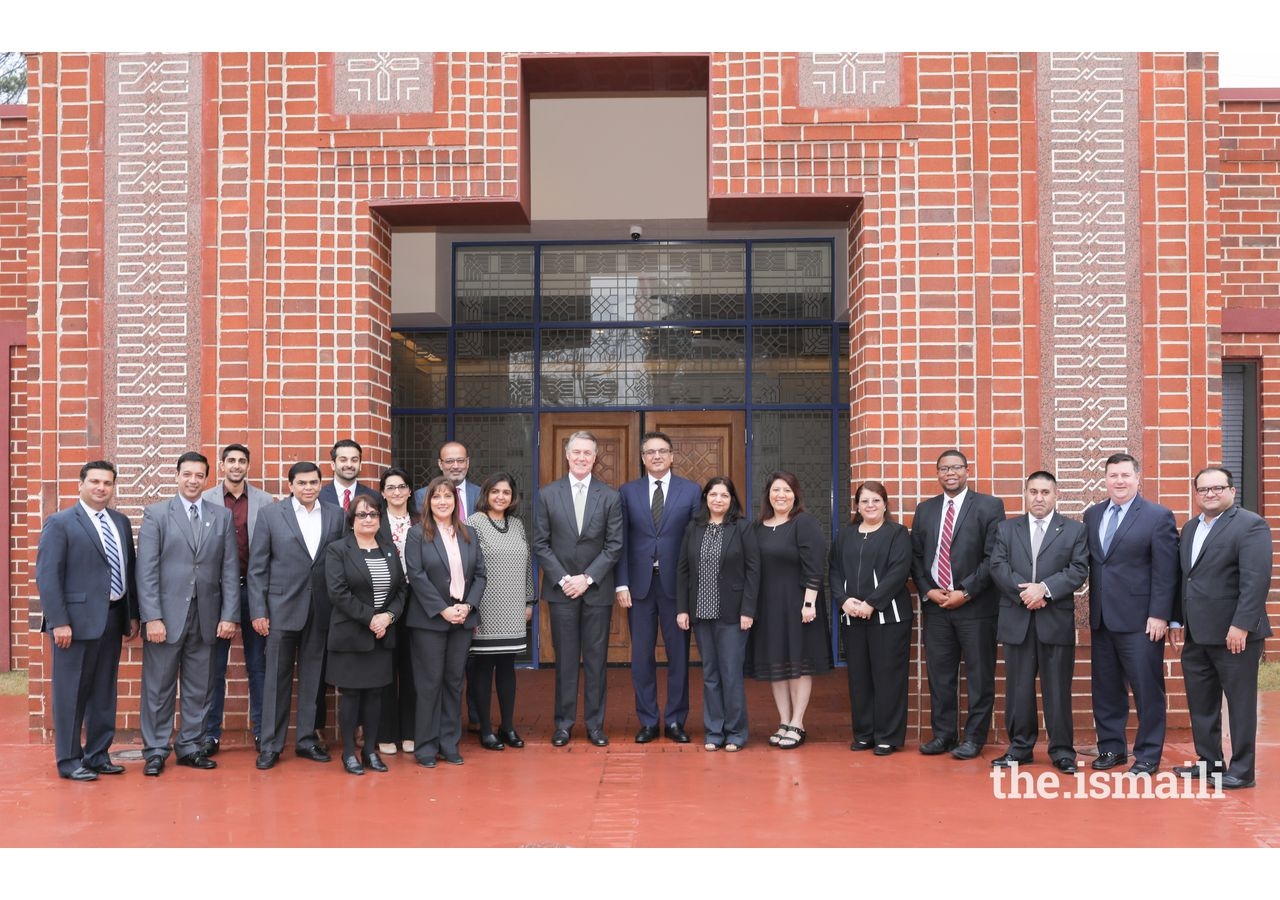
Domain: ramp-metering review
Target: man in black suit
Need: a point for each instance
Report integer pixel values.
(344, 487)
(290, 607)
(577, 538)
(1133, 578)
(952, 535)
(1038, 562)
(1226, 556)
(85, 578)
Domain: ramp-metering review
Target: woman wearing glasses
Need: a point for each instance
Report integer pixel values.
(367, 591)
(398, 698)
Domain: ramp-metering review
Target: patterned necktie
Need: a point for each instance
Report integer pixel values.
(1037, 538)
(579, 502)
(1111, 528)
(656, 506)
(113, 554)
(346, 499)
(944, 547)
(462, 503)
(195, 521)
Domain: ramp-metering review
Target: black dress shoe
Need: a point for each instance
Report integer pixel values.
(373, 761)
(560, 738)
(511, 738)
(107, 769)
(1144, 768)
(154, 766)
(427, 762)
(861, 745)
(675, 733)
(257, 744)
(1008, 759)
(314, 752)
(1199, 770)
(209, 747)
(266, 759)
(491, 742)
(1109, 761)
(646, 734)
(1235, 782)
(1066, 765)
(884, 749)
(197, 761)
(966, 750)
(81, 773)
(597, 737)
(937, 746)
(453, 759)
(352, 765)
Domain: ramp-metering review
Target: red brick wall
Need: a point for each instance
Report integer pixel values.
(13, 306)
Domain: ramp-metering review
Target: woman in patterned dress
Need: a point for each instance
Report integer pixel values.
(717, 582)
(398, 698)
(505, 608)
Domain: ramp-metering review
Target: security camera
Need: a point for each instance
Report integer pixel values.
(636, 232)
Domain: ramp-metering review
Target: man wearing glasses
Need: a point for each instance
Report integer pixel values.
(1226, 573)
(454, 463)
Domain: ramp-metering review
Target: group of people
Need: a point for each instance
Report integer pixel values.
(400, 598)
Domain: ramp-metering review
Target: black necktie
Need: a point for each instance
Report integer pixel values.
(656, 506)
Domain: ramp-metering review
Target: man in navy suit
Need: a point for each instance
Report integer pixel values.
(655, 511)
(1133, 578)
(344, 488)
(85, 578)
(1226, 555)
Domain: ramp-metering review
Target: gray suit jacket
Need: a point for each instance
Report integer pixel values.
(174, 568)
(562, 551)
(1062, 566)
(1229, 582)
(285, 584)
(258, 498)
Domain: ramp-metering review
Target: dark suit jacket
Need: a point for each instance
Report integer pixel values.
(329, 494)
(73, 576)
(972, 537)
(285, 584)
(1062, 566)
(561, 551)
(641, 544)
(1229, 582)
(891, 565)
(739, 577)
(1138, 578)
(428, 565)
(173, 568)
(351, 595)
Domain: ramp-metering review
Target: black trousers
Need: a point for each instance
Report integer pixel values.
(1211, 670)
(1055, 664)
(878, 661)
(948, 639)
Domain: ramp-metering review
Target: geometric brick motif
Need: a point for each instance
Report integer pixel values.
(152, 272)
(850, 80)
(382, 83)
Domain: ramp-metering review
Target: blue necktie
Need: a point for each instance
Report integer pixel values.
(113, 554)
(1111, 528)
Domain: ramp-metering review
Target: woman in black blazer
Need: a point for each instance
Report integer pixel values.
(717, 582)
(366, 589)
(870, 564)
(446, 582)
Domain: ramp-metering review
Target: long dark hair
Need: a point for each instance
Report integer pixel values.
(411, 507)
(482, 504)
(874, 487)
(429, 521)
(766, 508)
(735, 506)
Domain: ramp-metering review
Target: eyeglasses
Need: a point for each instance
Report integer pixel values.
(454, 462)
(367, 514)
(1213, 489)
(656, 451)
(396, 487)
(951, 470)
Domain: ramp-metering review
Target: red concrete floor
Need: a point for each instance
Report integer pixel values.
(625, 795)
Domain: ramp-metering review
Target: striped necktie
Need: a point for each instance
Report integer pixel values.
(113, 554)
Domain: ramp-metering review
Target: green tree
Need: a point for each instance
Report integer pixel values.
(13, 77)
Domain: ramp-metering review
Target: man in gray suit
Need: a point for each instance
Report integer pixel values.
(290, 607)
(1226, 556)
(577, 538)
(1038, 562)
(189, 595)
(244, 501)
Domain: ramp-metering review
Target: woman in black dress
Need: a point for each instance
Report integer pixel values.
(870, 563)
(718, 580)
(789, 642)
(367, 591)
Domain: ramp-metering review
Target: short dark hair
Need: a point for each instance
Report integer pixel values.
(735, 505)
(1116, 458)
(345, 442)
(193, 456)
(952, 452)
(302, 468)
(874, 487)
(371, 500)
(482, 504)
(1195, 482)
(98, 464)
(1042, 475)
(232, 448)
(766, 508)
(656, 435)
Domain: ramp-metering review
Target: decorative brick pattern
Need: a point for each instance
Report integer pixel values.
(850, 80)
(381, 83)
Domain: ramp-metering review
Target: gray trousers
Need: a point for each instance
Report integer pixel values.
(162, 666)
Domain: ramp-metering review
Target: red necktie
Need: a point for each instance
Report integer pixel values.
(944, 548)
(346, 498)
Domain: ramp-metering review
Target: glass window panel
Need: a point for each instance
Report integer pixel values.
(494, 368)
(419, 370)
(415, 445)
(643, 283)
(791, 365)
(791, 281)
(494, 284)
(799, 443)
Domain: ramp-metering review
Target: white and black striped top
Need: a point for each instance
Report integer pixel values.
(380, 575)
